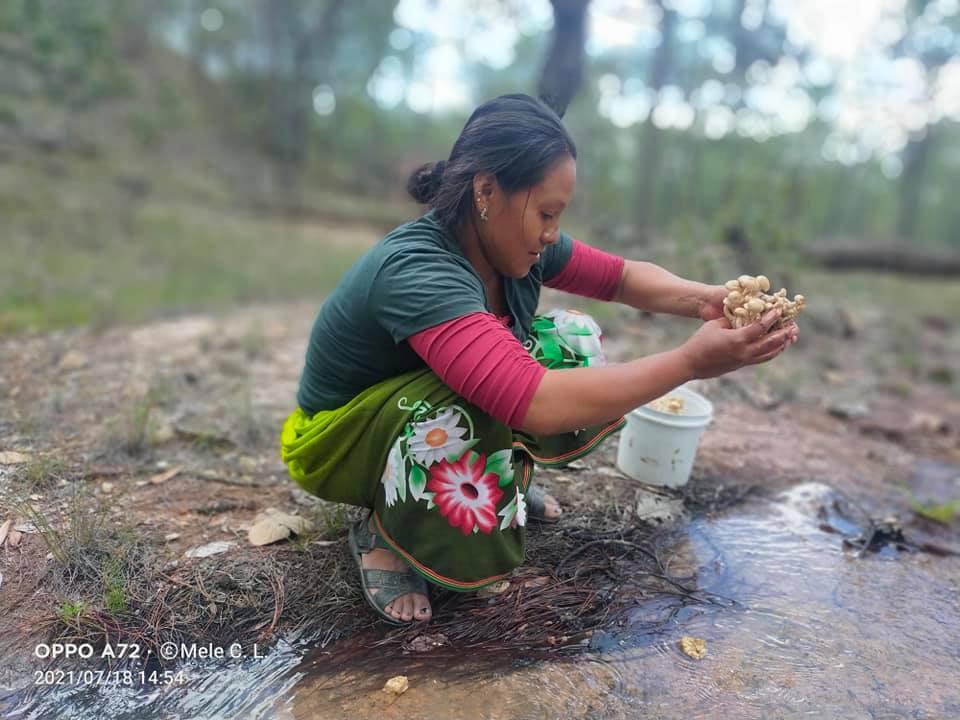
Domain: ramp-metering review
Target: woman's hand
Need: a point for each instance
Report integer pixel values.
(711, 307)
(716, 348)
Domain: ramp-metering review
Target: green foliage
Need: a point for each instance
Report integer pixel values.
(70, 610)
(41, 472)
(115, 598)
(8, 116)
(941, 513)
(221, 92)
(146, 127)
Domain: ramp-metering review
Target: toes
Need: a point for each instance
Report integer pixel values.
(406, 608)
(422, 606)
(551, 508)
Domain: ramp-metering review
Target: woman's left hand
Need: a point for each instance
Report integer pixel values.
(711, 307)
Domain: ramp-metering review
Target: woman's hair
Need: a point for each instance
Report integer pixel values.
(516, 137)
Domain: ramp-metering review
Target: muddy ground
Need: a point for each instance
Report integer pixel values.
(169, 431)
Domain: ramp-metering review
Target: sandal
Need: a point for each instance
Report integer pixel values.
(389, 584)
(537, 506)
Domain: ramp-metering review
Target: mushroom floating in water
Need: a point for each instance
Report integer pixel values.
(667, 404)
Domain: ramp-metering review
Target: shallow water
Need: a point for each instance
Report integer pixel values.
(815, 632)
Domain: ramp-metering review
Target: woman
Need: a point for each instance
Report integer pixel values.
(431, 388)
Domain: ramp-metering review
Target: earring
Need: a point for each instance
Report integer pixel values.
(483, 213)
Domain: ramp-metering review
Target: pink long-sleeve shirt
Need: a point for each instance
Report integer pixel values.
(481, 360)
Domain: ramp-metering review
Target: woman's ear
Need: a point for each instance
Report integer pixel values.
(484, 185)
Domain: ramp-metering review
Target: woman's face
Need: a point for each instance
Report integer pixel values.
(521, 225)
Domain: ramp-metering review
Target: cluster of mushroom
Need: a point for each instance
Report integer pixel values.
(667, 404)
(748, 300)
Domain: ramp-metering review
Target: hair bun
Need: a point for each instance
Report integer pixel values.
(425, 181)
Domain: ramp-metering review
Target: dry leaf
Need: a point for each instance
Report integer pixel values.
(495, 589)
(214, 548)
(13, 539)
(164, 476)
(297, 524)
(267, 531)
(928, 422)
(694, 647)
(4, 529)
(273, 525)
(397, 685)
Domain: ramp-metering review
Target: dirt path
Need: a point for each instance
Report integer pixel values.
(172, 428)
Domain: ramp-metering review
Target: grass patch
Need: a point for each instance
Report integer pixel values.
(41, 472)
(903, 298)
(67, 263)
(133, 432)
(69, 611)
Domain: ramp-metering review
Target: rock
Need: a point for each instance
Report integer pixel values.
(214, 548)
(933, 483)
(247, 464)
(106, 487)
(928, 423)
(655, 507)
(301, 496)
(848, 410)
(397, 685)
(10, 457)
(425, 643)
(72, 360)
(170, 537)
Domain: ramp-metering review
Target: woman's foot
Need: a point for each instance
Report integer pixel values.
(542, 506)
(412, 606)
(551, 508)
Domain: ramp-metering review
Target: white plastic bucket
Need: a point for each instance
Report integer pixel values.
(659, 447)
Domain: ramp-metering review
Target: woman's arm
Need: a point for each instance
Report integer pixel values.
(646, 286)
(481, 360)
(595, 273)
(577, 397)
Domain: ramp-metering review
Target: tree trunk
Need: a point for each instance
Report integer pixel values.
(915, 159)
(891, 258)
(294, 81)
(563, 70)
(648, 167)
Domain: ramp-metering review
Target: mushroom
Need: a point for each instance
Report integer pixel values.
(747, 300)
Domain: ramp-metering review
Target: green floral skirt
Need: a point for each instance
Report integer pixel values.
(446, 482)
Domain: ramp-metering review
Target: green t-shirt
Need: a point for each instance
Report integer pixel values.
(413, 279)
